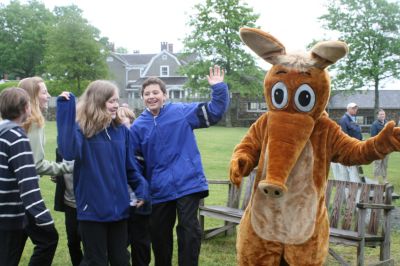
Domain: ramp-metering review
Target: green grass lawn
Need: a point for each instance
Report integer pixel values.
(216, 145)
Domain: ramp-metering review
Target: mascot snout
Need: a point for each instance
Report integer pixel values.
(285, 144)
(270, 190)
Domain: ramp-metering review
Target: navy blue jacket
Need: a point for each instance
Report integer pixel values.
(350, 127)
(377, 126)
(167, 142)
(104, 165)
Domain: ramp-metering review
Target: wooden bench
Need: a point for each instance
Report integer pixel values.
(359, 214)
(232, 212)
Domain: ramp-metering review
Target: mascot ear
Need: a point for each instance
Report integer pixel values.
(263, 44)
(328, 52)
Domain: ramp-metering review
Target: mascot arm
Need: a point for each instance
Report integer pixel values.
(350, 151)
(388, 140)
(246, 154)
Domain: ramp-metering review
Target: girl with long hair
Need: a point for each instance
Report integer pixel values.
(34, 126)
(93, 136)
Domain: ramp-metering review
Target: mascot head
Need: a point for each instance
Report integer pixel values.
(296, 89)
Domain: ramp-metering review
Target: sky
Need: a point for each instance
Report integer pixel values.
(143, 24)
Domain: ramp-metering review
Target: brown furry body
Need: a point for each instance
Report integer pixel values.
(253, 249)
(292, 145)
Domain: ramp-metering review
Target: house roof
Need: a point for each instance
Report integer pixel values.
(169, 81)
(388, 99)
(144, 59)
(136, 59)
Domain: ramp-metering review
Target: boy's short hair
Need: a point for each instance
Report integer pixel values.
(154, 80)
(13, 102)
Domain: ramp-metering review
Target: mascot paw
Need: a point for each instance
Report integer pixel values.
(388, 139)
(239, 168)
(235, 178)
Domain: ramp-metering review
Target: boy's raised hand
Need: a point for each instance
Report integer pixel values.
(216, 75)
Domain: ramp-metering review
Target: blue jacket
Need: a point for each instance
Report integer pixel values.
(350, 127)
(104, 165)
(167, 142)
(376, 127)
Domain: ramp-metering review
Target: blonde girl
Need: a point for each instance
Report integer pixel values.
(104, 165)
(34, 126)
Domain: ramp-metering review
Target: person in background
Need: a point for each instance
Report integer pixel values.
(92, 135)
(126, 115)
(139, 218)
(380, 166)
(64, 201)
(349, 125)
(163, 135)
(20, 196)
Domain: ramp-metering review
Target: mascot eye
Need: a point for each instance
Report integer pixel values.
(279, 95)
(304, 98)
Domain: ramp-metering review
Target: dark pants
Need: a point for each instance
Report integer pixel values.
(105, 242)
(73, 236)
(139, 239)
(12, 243)
(188, 231)
(44, 240)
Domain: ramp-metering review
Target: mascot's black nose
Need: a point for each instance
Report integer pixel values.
(271, 190)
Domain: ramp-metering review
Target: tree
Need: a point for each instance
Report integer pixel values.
(371, 28)
(121, 50)
(23, 31)
(75, 51)
(214, 39)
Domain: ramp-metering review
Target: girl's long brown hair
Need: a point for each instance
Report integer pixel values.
(92, 115)
(31, 86)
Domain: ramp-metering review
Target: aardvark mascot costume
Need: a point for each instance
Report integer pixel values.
(292, 145)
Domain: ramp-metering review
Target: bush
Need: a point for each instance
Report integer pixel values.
(55, 87)
(8, 84)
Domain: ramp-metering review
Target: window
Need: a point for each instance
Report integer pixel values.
(256, 107)
(164, 71)
(174, 94)
(263, 106)
(252, 106)
(177, 94)
(360, 120)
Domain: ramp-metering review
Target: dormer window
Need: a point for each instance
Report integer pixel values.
(164, 71)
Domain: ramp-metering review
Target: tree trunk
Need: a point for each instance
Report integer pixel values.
(376, 103)
(228, 116)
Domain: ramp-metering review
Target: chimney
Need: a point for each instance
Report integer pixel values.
(111, 46)
(164, 46)
(171, 48)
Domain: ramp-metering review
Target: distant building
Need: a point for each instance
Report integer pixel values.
(365, 99)
(130, 70)
(245, 110)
